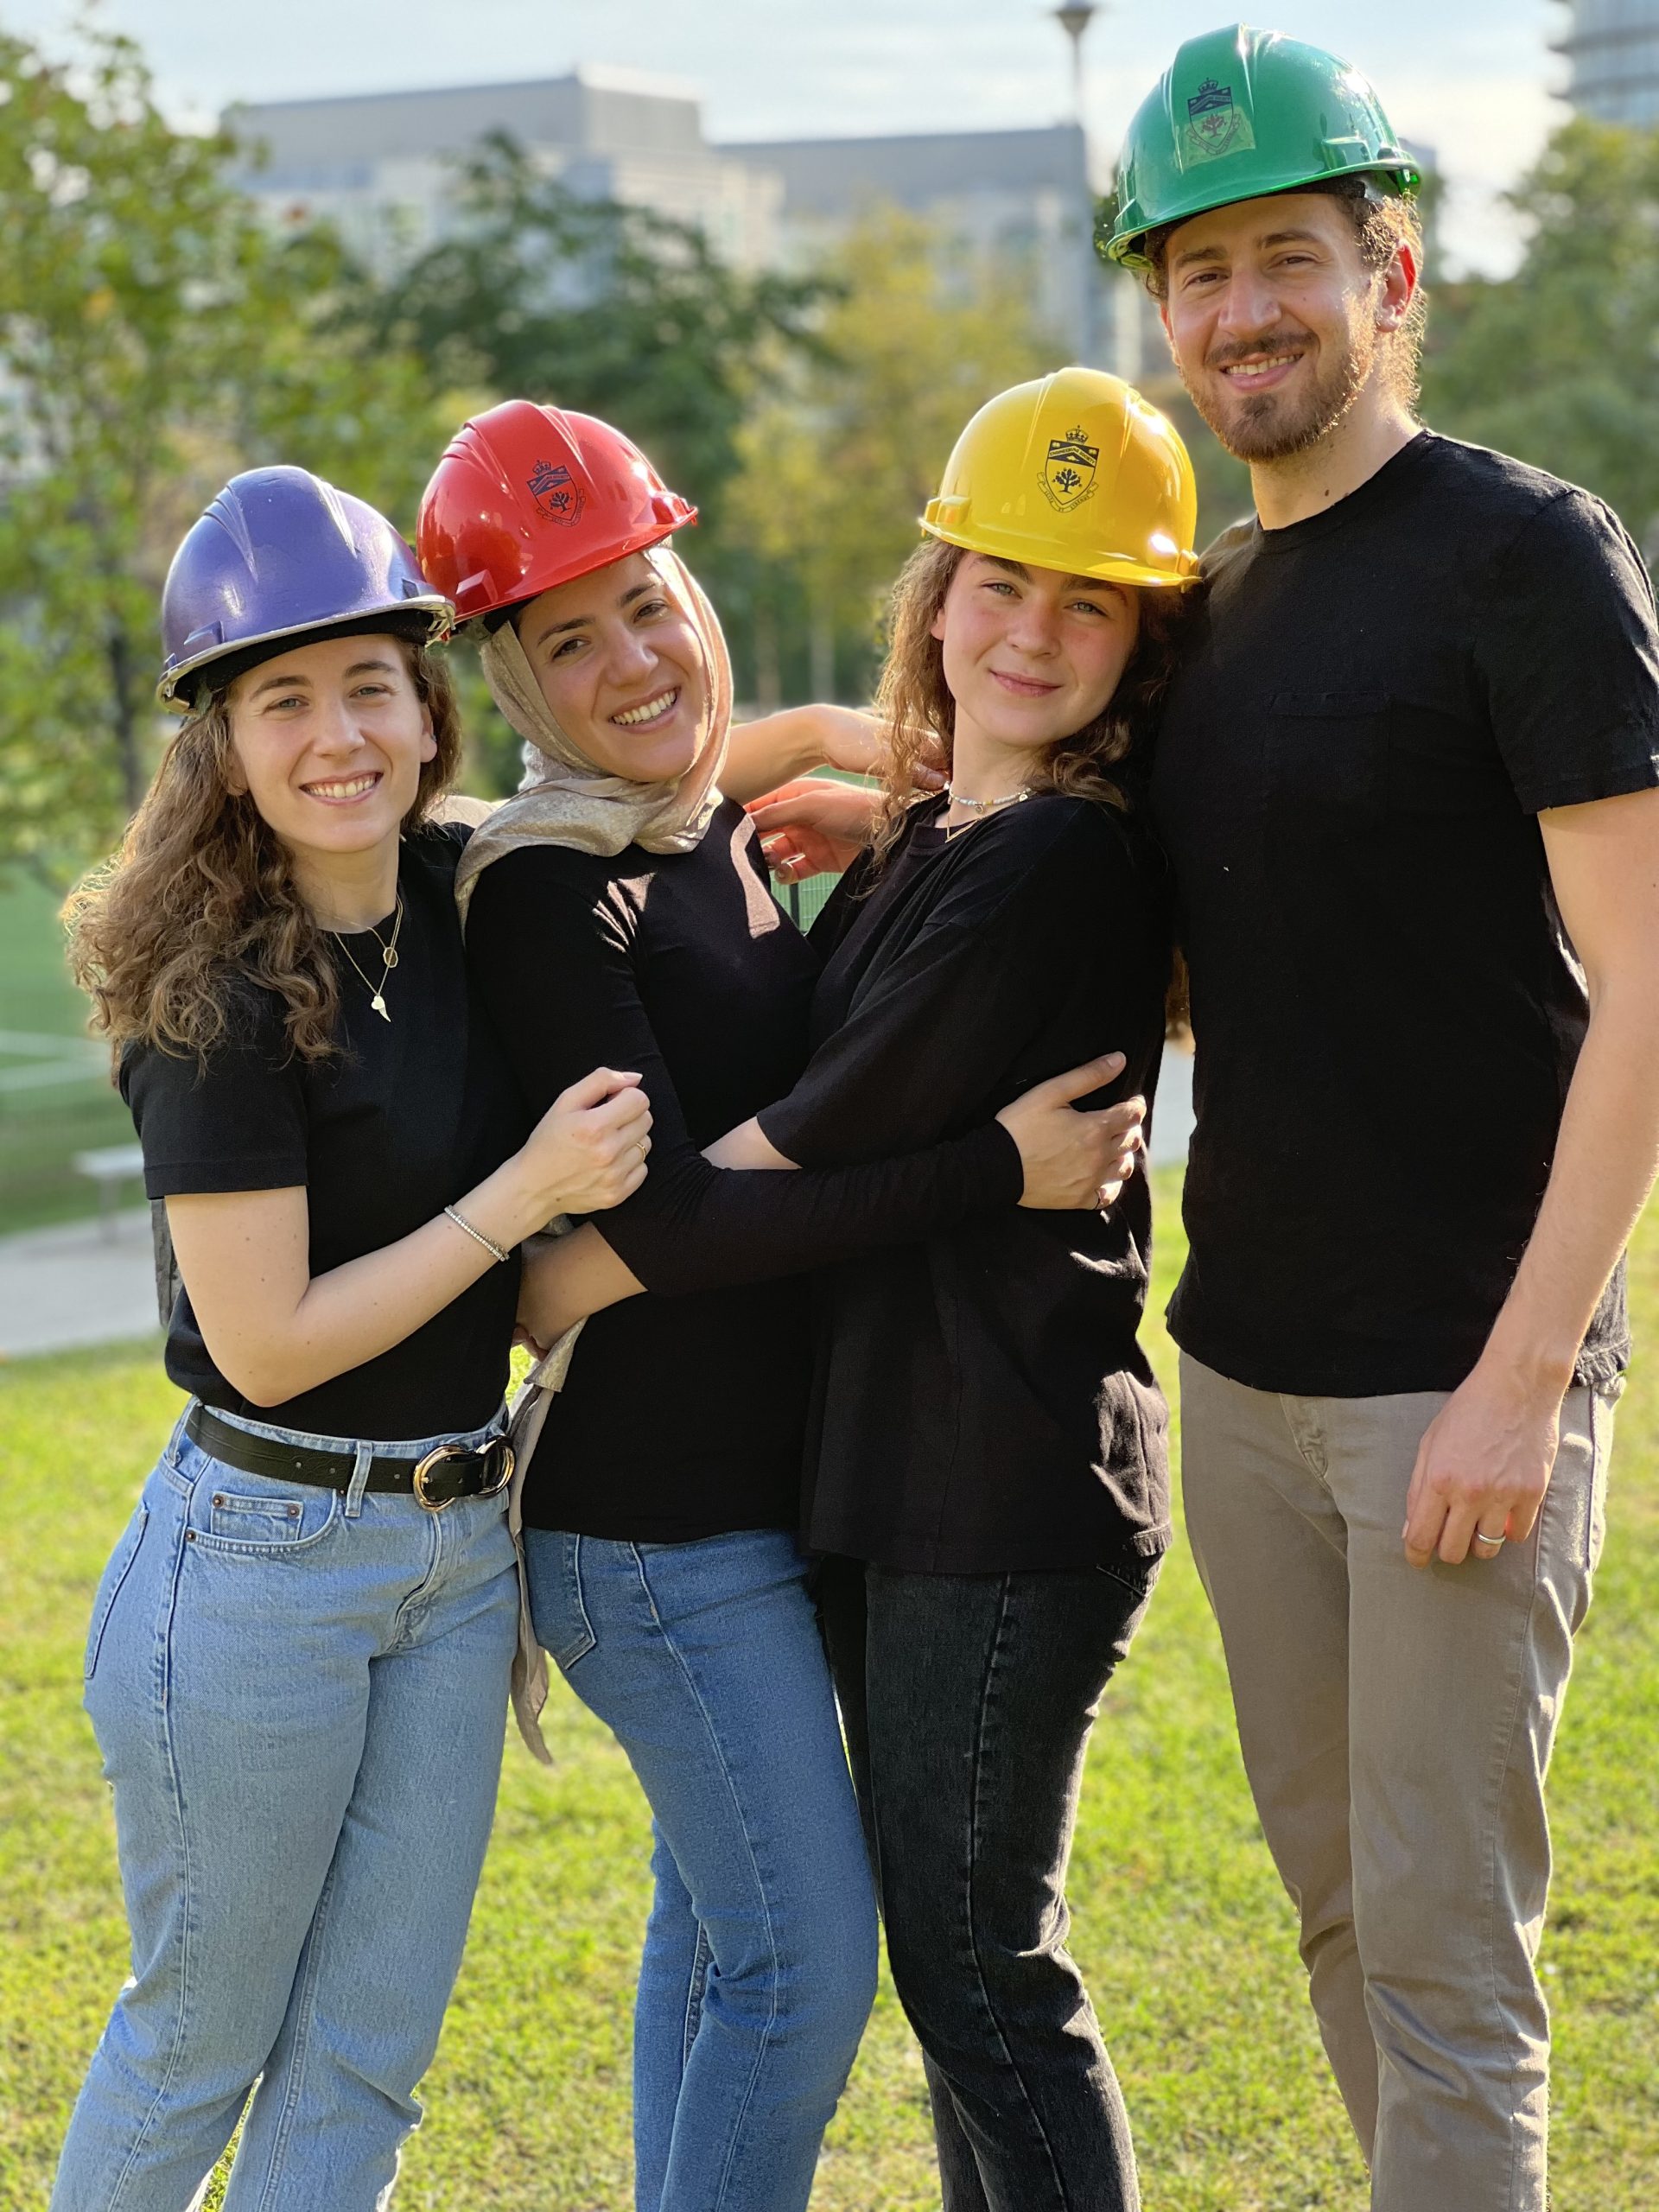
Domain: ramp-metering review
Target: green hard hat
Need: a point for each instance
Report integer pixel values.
(1239, 113)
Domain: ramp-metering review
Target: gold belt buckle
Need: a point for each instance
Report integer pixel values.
(424, 1467)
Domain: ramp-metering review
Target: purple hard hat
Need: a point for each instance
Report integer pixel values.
(280, 553)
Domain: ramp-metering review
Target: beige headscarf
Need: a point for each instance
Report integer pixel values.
(564, 800)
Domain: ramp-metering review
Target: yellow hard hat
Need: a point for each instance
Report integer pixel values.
(1074, 472)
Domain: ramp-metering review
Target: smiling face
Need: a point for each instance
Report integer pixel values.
(1031, 656)
(1277, 323)
(328, 738)
(621, 668)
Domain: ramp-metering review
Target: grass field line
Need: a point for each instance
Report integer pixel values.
(43, 1075)
(27, 1044)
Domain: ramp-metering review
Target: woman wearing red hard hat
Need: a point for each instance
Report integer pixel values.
(299, 1650)
(621, 897)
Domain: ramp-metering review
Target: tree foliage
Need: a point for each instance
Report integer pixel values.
(839, 457)
(614, 310)
(154, 338)
(1559, 364)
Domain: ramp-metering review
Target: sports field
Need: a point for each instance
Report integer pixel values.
(55, 1097)
(1181, 1925)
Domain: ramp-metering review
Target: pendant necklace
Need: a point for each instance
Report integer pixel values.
(388, 959)
(980, 807)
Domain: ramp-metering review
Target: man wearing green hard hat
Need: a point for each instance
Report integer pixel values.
(1408, 779)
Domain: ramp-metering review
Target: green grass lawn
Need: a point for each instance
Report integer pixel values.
(43, 1128)
(1187, 1940)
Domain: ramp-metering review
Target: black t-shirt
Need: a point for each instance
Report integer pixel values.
(683, 1411)
(1379, 701)
(409, 1115)
(980, 1403)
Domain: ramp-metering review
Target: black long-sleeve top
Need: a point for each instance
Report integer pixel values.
(684, 1414)
(982, 1404)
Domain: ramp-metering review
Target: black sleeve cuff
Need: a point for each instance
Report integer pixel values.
(992, 1156)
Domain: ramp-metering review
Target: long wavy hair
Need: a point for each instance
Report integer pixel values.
(200, 903)
(917, 713)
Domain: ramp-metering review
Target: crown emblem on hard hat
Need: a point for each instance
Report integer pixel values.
(1069, 472)
(555, 492)
(1214, 125)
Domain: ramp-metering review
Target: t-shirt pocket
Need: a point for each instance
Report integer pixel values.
(1327, 756)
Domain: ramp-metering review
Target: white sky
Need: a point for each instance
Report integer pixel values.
(1472, 79)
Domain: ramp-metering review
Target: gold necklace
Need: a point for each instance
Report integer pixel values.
(388, 959)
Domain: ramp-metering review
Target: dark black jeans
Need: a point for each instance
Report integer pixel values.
(968, 1701)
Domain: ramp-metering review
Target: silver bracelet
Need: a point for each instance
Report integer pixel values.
(477, 1236)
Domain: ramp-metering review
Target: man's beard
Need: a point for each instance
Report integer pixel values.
(1269, 426)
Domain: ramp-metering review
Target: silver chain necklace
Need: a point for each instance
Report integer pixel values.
(388, 959)
(980, 807)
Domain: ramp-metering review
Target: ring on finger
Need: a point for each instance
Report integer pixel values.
(1496, 1543)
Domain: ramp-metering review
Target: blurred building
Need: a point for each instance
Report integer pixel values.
(1613, 48)
(381, 167)
(1022, 198)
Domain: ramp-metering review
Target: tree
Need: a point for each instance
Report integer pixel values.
(614, 310)
(1558, 363)
(154, 338)
(838, 463)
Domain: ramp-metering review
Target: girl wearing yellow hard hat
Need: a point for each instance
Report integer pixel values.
(987, 1478)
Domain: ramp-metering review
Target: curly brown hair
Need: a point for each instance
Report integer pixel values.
(200, 902)
(914, 704)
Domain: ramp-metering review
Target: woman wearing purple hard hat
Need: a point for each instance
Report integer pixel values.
(298, 1656)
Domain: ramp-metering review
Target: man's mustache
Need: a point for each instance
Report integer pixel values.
(1270, 341)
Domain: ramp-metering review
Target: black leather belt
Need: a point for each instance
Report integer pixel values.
(438, 1479)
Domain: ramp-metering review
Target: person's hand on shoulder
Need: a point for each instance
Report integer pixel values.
(813, 827)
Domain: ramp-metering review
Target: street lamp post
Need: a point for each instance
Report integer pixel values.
(1103, 320)
(1075, 21)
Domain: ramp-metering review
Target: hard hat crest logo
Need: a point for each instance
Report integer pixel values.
(553, 489)
(1214, 125)
(1069, 472)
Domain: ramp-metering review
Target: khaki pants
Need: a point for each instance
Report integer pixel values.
(1396, 1725)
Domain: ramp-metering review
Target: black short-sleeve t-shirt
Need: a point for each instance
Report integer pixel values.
(1378, 702)
(980, 1403)
(408, 1114)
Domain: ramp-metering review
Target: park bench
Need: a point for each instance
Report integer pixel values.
(110, 1166)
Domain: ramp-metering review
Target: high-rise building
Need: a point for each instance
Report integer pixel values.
(1613, 46)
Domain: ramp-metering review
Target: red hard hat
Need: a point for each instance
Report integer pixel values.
(527, 497)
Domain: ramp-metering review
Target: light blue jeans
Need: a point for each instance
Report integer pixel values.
(299, 1696)
(705, 1661)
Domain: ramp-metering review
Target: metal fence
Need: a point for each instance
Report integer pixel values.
(804, 902)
